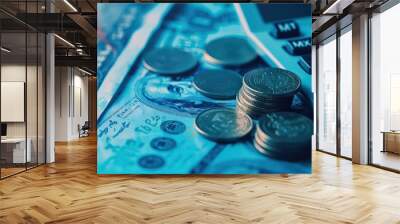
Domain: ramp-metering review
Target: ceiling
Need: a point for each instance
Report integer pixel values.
(76, 20)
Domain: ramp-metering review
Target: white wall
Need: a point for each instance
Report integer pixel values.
(13, 100)
(61, 103)
(71, 94)
(33, 127)
(80, 104)
(16, 72)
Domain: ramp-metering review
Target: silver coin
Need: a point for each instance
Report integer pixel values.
(263, 150)
(265, 146)
(252, 114)
(245, 110)
(281, 147)
(248, 94)
(288, 146)
(249, 105)
(277, 154)
(249, 111)
(260, 109)
(262, 104)
(223, 125)
(229, 51)
(271, 82)
(218, 84)
(283, 150)
(255, 108)
(287, 127)
(169, 61)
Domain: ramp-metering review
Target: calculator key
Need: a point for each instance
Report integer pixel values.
(305, 63)
(299, 46)
(286, 29)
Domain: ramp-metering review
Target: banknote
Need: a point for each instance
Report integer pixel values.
(116, 26)
(118, 50)
(146, 122)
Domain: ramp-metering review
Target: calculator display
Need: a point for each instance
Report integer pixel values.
(294, 10)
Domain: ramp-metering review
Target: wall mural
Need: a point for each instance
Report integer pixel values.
(204, 88)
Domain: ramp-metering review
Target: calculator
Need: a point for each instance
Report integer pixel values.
(281, 33)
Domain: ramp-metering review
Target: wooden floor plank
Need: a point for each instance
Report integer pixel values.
(70, 191)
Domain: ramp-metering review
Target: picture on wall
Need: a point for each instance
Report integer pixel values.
(204, 88)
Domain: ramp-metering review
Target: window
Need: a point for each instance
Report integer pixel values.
(346, 92)
(327, 95)
(22, 77)
(334, 106)
(385, 89)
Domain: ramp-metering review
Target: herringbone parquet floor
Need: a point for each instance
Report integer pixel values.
(70, 191)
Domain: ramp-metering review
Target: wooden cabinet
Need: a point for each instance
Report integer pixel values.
(391, 141)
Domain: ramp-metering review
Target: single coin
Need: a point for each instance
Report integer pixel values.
(229, 51)
(223, 125)
(287, 127)
(169, 61)
(271, 82)
(218, 84)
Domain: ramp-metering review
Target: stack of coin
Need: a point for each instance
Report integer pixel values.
(284, 135)
(267, 90)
